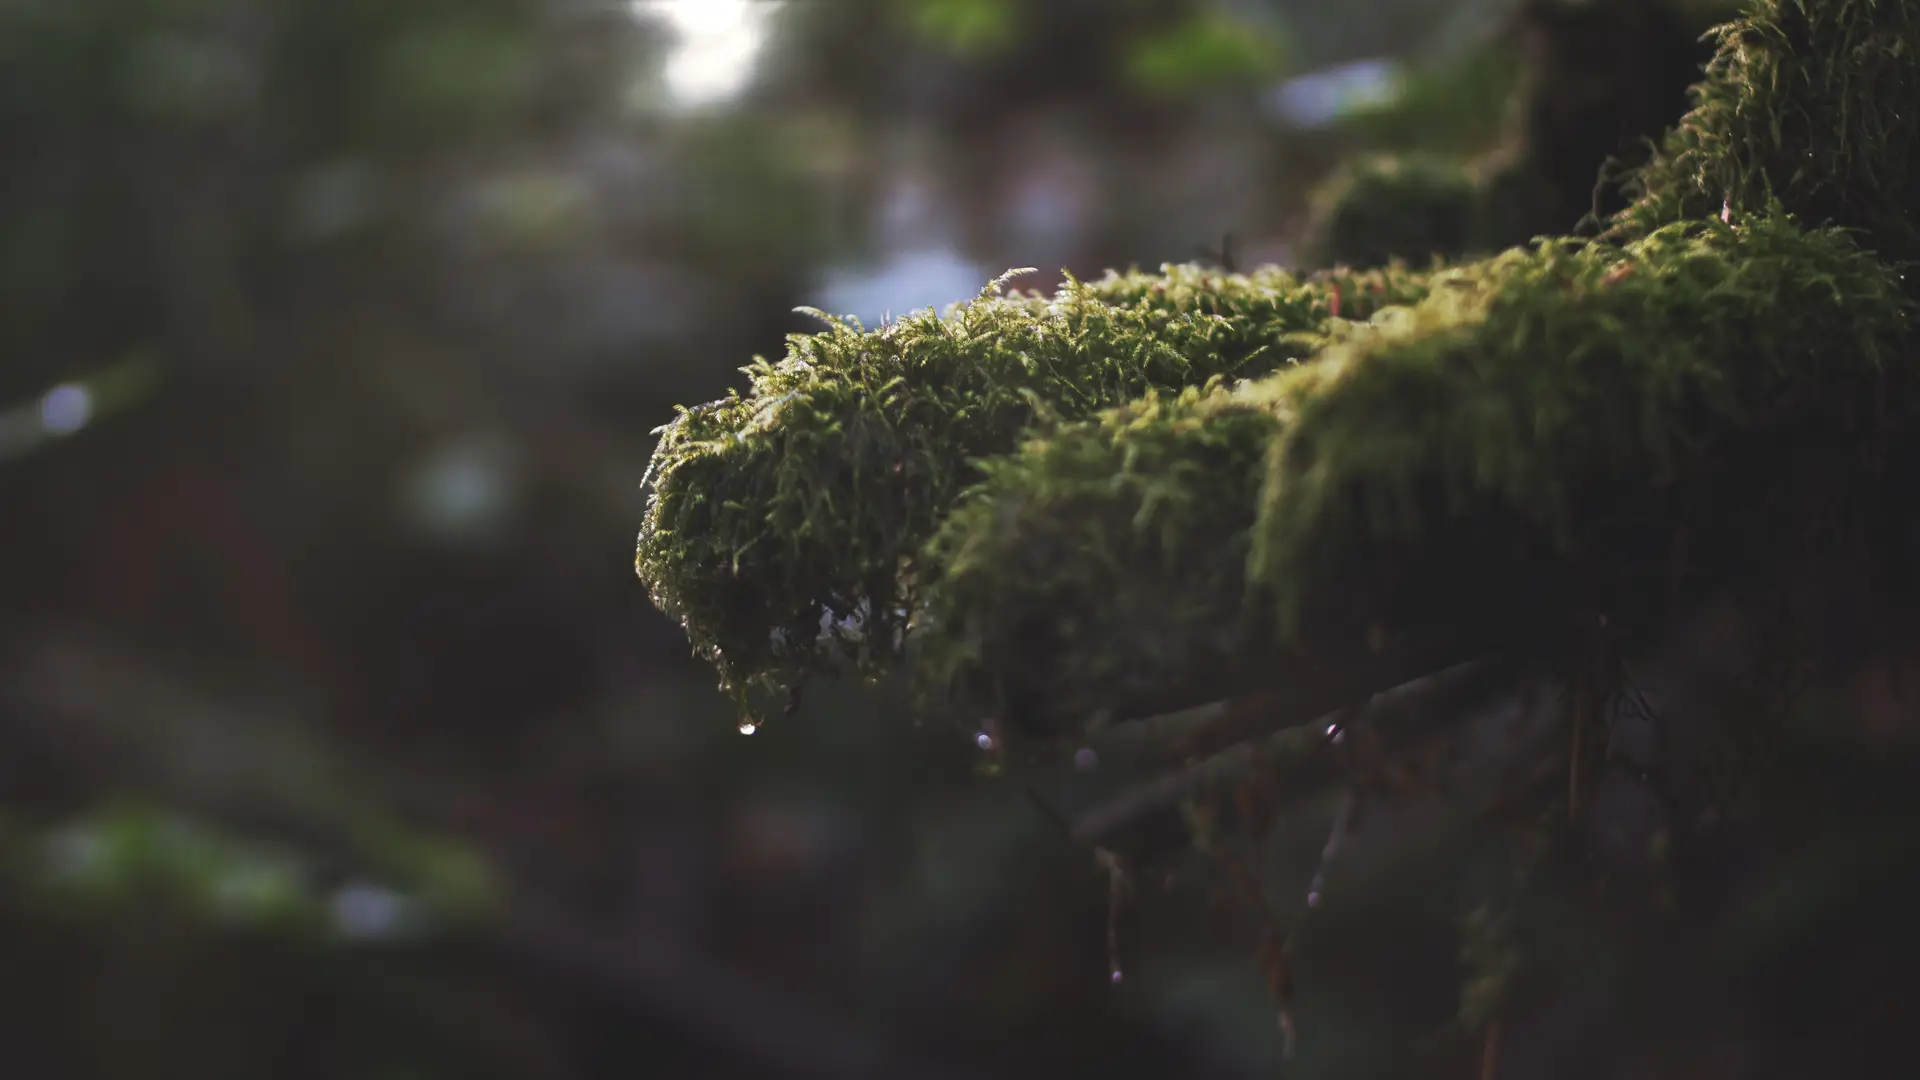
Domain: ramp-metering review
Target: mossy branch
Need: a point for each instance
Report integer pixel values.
(1504, 430)
(1186, 480)
(784, 523)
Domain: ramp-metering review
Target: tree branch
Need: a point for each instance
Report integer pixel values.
(1293, 753)
(1291, 690)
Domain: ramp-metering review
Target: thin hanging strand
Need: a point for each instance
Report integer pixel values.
(1116, 896)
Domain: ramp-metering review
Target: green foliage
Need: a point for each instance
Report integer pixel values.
(162, 153)
(1808, 103)
(968, 27)
(129, 856)
(1451, 107)
(1206, 50)
(783, 523)
(1378, 209)
(1399, 474)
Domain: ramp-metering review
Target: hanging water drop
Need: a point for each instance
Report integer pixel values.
(983, 740)
(748, 727)
(1117, 975)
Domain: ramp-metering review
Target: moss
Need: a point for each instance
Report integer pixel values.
(1379, 209)
(1565, 401)
(1538, 402)
(1808, 102)
(1102, 560)
(1596, 85)
(782, 522)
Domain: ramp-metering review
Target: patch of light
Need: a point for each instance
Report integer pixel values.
(77, 854)
(66, 409)
(907, 282)
(463, 490)
(716, 44)
(368, 912)
(1321, 98)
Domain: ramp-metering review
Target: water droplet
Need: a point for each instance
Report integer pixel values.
(749, 727)
(1313, 899)
(1117, 976)
(983, 740)
(1085, 759)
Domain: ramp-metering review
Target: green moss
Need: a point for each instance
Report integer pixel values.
(1592, 86)
(1564, 402)
(1808, 102)
(1379, 209)
(1531, 403)
(783, 521)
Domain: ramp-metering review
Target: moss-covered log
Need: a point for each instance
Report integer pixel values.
(783, 522)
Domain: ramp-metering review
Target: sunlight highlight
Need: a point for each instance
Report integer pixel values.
(716, 44)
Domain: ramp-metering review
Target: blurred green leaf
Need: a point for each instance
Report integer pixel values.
(1208, 50)
(455, 72)
(967, 27)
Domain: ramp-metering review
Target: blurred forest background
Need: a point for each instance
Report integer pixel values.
(337, 738)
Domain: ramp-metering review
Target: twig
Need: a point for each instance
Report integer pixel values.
(1580, 704)
(1286, 750)
(1294, 751)
(1336, 837)
(1291, 690)
(1116, 896)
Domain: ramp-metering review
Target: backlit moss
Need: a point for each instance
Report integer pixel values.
(1812, 103)
(783, 521)
(1164, 491)
(1530, 402)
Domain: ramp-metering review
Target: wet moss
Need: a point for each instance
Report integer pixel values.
(1131, 487)
(1532, 401)
(784, 521)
